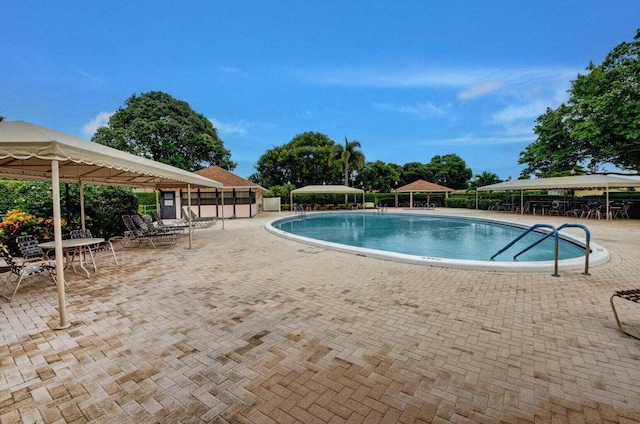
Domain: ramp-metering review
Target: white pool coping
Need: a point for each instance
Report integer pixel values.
(598, 256)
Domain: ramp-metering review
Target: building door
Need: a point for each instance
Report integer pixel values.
(168, 205)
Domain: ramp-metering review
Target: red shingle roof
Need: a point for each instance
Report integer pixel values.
(227, 178)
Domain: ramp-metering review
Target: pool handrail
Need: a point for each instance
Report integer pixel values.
(553, 232)
(567, 225)
(587, 249)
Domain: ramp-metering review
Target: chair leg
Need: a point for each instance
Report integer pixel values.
(113, 252)
(6, 283)
(615, 314)
(14, 290)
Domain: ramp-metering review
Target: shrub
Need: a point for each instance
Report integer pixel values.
(18, 223)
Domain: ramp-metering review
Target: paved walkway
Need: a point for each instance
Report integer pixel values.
(250, 328)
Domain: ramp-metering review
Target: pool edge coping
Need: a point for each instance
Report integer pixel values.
(599, 255)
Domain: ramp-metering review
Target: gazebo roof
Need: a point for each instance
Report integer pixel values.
(335, 189)
(422, 186)
(227, 178)
(27, 151)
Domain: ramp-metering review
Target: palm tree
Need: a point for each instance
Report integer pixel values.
(350, 157)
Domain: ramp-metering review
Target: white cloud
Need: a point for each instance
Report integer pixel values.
(471, 76)
(101, 120)
(240, 127)
(422, 110)
(490, 140)
(480, 89)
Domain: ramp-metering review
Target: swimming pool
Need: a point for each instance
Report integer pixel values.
(448, 241)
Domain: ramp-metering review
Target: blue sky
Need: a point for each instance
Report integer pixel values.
(408, 79)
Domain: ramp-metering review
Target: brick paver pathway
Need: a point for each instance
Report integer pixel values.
(250, 328)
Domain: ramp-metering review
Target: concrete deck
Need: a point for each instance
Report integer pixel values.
(248, 327)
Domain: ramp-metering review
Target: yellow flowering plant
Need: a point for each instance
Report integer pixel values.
(18, 223)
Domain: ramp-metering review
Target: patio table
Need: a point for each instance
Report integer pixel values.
(76, 247)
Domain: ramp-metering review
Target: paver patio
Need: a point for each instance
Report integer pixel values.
(247, 327)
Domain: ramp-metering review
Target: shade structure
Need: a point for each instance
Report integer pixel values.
(326, 189)
(32, 152)
(26, 152)
(421, 186)
(593, 181)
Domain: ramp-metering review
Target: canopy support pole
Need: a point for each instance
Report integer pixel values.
(57, 234)
(82, 217)
(189, 217)
(222, 192)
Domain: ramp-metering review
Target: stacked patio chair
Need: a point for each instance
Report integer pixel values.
(105, 246)
(138, 233)
(33, 262)
(198, 222)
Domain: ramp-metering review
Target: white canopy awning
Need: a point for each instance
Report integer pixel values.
(32, 152)
(599, 181)
(328, 189)
(26, 152)
(593, 181)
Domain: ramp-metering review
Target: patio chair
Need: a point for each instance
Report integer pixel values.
(105, 246)
(138, 234)
(632, 296)
(557, 208)
(623, 212)
(587, 212)
(33, 263)
(198, 222)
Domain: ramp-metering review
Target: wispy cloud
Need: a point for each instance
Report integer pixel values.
(479, 89)
(240, 127)
(421, 110)
(475, 140)
(529, 111)
(101, 120)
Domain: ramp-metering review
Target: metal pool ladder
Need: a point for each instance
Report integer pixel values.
(555, 233)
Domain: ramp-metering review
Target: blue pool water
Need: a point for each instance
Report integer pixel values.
(427, 236)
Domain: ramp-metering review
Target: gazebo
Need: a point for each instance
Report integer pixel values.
(32, 152)
(326, 189)
(422, 186)
(593, 181)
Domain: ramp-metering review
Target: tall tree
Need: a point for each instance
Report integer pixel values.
(599, 124)
(413, 171)
(556, 149)
(349, 156)
(378, 176)
(449, 170)
(483, 179)
(156, 126)
(302, 161)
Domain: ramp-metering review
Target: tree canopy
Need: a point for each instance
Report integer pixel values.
(302, 161)
(349, 156)
(378, 176)
(156, 126)
(599, 124)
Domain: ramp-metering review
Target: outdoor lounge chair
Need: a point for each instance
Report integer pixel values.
(138, 234)
(198, 222)
(33, 262)
(631, 295)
